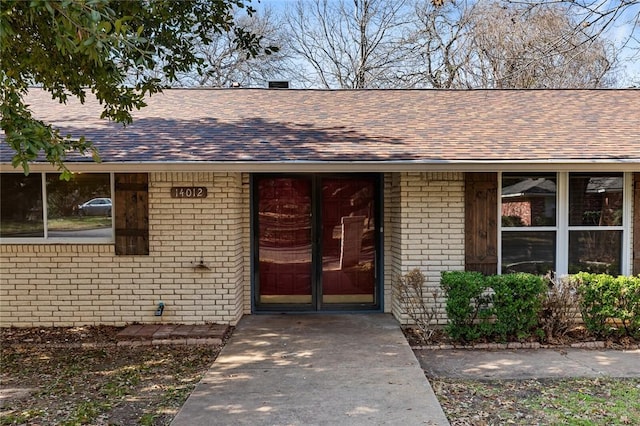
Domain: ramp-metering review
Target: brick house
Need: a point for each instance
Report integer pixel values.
(227, 202)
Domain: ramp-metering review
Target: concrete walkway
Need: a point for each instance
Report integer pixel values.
(529, 364)
(314, 370)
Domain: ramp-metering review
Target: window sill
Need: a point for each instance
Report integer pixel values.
(48, 241)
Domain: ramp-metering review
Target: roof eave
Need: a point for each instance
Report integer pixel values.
(609, 164)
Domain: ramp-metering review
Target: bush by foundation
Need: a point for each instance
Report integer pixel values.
(560, 307)
(609, 305)
(492, 307)
(420, 304)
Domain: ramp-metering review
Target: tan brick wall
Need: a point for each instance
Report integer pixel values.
(78, 284)
(246, 241)
(427, 225)
(388, 240)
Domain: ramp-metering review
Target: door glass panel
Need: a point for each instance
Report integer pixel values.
(284, 242)
(348, 241)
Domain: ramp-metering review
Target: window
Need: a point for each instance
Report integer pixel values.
(564, 222)
(21, 206)
(528, 219)
(80, 208)
(596, 204)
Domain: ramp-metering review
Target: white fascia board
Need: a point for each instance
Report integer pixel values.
(626, 165)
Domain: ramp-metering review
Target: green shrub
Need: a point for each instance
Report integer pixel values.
(517, 302)
(610, 305)
(466, 304)
(496, 306)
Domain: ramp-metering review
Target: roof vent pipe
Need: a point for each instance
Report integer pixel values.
(278, 85)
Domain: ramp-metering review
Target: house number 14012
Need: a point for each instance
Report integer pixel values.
(188, 192)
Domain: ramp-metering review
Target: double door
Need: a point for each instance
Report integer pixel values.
(316, 242)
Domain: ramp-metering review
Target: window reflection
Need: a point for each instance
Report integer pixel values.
(80, 207)
(533, 252)
(595, 199)
(284, 244)
(21, 205)
(595, 251)
(528, 200)
(348, 240)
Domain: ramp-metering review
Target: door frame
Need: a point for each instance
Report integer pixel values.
(316, 305)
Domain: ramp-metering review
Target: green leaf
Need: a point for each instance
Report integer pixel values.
(106, 26)
(73, 46)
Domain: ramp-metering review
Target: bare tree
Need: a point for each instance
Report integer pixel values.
(227, 65)
(351, 43)
(595, 17)
(502, 45)
(539, 49)
(415, 43)
(224, 64)
(441, 33)
(617, 20)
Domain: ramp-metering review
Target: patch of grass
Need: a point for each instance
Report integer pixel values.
(79, 223)
(85, 413)
(591, 402)
(20, 418)
(72, 223)
(173, 395)
(545, 402)
(108, 385)
(121, 383)
(147, 419)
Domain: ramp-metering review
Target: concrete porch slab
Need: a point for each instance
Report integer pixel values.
(314, 370)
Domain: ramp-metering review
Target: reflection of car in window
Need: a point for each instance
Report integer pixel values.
(95, 207)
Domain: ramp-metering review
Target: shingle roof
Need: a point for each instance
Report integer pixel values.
(424, 126)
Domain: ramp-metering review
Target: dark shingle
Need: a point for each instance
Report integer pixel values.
(230, 125)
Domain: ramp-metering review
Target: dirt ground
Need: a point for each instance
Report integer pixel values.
(586, 402)
(579, 401)
(576, 335)
(72, 376)
(69, 376)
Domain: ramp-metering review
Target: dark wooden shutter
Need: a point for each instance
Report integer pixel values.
(481, 228)
(132, 213)
(636, 223)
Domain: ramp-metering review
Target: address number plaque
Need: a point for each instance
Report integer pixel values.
(188, 192)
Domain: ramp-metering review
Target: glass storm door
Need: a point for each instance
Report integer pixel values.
(348, 245)
(284, 241)
(316, 242)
